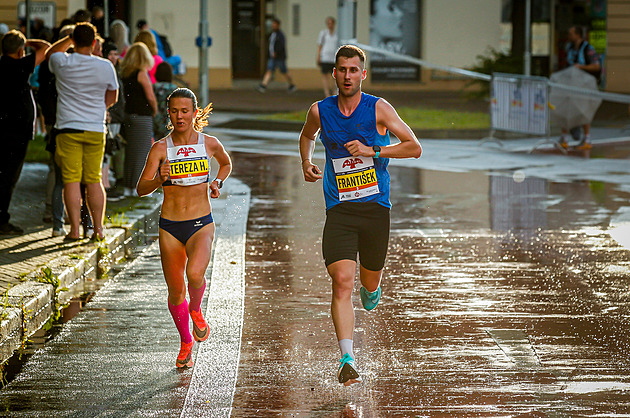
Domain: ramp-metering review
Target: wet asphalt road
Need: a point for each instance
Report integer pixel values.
(501, 297)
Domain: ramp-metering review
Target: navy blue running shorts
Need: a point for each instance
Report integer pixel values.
(357, 228)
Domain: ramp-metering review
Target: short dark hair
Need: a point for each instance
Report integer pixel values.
(276, 20)
(140, 23)
(579, 30)
(83, 34)
(82, 15)
(12, 42)
(350, 51)
(164, 72)
(109, 46)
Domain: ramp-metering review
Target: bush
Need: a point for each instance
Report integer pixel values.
(36, 152)
(494, 62)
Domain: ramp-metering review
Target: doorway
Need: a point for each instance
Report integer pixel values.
(246, 39)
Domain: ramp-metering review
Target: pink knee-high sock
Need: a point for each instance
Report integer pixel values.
(196, 295)
(181, 318)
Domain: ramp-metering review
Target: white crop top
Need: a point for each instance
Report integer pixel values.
(190, 164)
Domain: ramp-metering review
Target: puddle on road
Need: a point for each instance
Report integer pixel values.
(469, 252)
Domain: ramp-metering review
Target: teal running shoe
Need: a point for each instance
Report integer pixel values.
(347, 374)
(370, 299)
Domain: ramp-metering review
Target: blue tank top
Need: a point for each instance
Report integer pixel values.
(348, 178)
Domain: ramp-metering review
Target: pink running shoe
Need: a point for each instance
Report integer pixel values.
(201, 332)
(184, 358)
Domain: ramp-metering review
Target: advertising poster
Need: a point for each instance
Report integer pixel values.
(395, 27)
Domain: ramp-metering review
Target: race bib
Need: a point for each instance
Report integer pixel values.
(356, 177)
(189, 164)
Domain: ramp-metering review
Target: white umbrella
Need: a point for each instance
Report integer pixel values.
(570, 109)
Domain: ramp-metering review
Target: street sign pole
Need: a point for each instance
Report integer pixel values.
(106, 18)
(203, 53)
(527, 58)
(27, 18)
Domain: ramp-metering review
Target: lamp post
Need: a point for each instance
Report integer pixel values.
(105, 18)
(27, 18)
(527, 56)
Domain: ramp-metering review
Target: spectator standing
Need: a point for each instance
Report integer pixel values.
(82, 15)
(277, 58)
(163, 47)
(147, 38)
(119, 32)
(582, 55)
(98, 19)
(47, 99)
(327, 44)
(17, 114)
(162, 89)
(86, 87)
(140, 107)
(116, 117)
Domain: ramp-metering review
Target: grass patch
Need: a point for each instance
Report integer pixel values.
(36, 151)
(418, 118)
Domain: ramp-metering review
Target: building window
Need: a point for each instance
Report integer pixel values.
(295, 9)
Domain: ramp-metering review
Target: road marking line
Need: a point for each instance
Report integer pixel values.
(213, 383)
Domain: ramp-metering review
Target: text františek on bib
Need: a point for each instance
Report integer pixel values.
(356, 177)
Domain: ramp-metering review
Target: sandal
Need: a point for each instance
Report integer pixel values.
(68, 238)
(96, 238)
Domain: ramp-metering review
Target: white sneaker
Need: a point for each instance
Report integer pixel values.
(59, 232)
(128, 192)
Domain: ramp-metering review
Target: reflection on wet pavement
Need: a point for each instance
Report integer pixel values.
(503, 296)
(114, 359)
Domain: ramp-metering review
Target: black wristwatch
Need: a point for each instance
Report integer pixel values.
(219, 182)
(377, 150)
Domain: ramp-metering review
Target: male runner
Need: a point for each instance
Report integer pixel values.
(354, 128)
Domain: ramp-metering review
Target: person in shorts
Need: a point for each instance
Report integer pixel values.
(354, 128)
(180, 164)
(327, 44)
(86, 85)
(277, 58)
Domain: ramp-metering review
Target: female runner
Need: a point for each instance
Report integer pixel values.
(180, 163)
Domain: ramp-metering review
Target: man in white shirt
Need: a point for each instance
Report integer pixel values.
(327, 44)
(87, 85)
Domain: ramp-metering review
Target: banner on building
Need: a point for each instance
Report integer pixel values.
(395, 27)
(44, 10)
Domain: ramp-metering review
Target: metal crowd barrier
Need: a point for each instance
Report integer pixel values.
(519, 104)
(520, 110)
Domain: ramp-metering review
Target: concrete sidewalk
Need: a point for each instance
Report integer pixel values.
(117, 356)
(35, 293)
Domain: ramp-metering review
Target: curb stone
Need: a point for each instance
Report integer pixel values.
(29, 305)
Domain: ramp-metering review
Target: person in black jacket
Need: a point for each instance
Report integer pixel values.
(277, 58)
(17, 114)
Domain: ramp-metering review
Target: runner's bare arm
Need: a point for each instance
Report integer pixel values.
(312, 125)
(387, 118)
(153, 175)
(223, 158)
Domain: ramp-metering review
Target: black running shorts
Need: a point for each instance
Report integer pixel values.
(353, 228)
